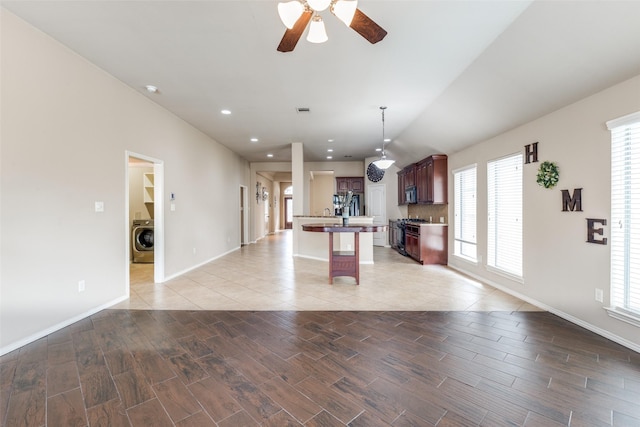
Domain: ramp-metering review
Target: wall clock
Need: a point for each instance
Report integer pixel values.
(374, 173)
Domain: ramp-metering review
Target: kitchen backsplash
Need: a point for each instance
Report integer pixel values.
(426, 211)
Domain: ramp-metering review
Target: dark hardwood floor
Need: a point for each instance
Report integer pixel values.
(207, 368)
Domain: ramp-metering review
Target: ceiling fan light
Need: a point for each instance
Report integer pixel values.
(317, 32)
(318, 5)
(290, 12)
(383, 163)
(344, 10)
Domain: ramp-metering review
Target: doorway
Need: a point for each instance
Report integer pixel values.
(288, 213)
(377, 208)
(244, 215)
(144, 216)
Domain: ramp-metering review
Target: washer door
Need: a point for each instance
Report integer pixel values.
(144, 239)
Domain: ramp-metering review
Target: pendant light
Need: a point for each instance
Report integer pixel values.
(383, 163)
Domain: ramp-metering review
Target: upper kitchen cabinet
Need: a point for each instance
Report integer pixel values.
(410, 176)
(350, 183)
(435, 184)
(401, 194)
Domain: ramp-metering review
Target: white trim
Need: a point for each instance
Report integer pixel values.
(180, 273)
(466, 259)
(43, 333)
(624, 120)
(615, 338)
(623, 315)
(504, 273)
(464, 168)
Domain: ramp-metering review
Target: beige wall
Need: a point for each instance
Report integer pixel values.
(321, 189)
(561, 270)
(66, 128)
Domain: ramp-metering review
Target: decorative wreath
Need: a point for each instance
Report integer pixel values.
(548, 175)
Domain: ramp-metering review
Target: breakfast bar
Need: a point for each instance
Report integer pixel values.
(344, 263)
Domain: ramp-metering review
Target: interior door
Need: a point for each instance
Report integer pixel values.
(377, 208)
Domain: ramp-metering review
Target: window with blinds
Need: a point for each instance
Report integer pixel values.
(625, 214)
(464, 212)
(504, 216)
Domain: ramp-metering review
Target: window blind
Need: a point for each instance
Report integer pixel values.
(504, 192)
(465, 213)
(625, 213)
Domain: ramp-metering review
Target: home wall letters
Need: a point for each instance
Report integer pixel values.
(572, 202)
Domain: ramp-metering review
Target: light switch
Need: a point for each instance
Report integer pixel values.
(173, 206)
(99, 206)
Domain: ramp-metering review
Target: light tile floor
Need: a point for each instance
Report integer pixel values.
(265, 276)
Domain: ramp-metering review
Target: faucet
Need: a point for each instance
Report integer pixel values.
(327, 212)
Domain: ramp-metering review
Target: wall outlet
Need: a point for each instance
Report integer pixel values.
(599, 295)
(99, 206)
(81, 286)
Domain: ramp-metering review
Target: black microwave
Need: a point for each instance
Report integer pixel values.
(411, 194)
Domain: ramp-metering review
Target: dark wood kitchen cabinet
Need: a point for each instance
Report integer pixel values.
(431, 180)
(350, 183)
(410, 176)
(412, 241)
(421, 180)
(427, 243)
(401, 194)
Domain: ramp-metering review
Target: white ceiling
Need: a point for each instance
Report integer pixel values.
(452, 73)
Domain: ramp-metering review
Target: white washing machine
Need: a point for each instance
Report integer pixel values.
(142, 240)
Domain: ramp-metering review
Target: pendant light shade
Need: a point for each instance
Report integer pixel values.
(317, 32)
(383, 163)
(318, 5)
(344, 10)
(290, 12)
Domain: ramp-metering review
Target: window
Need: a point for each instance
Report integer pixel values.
(464, 212)
(625, 214)
(504, 234)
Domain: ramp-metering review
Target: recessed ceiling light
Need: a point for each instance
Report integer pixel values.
(378, 149)
(329, 157)
(387, 140)
(329, 150)
(269, 155)
(330, 140)
(254, 139)
(151, 88)
(225, 112)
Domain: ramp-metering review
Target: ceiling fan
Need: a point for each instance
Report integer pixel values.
(296, 15)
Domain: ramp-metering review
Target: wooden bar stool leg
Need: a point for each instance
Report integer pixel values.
(356, 243)
(331, 258)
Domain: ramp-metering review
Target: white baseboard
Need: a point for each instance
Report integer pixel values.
(40, 334)
(595, 329)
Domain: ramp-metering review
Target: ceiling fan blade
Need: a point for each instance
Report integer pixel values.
(367, 28)
(291, 36)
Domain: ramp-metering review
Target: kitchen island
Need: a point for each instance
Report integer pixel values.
(314, 245)
(344, 263)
